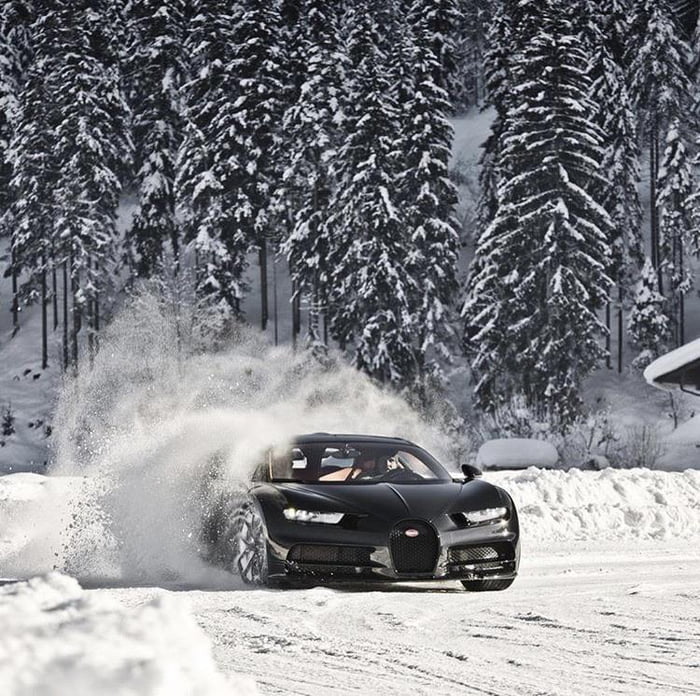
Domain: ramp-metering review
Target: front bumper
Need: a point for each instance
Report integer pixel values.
(321, 552)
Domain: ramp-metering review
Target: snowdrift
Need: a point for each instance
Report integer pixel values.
(58, 639)
(613, 504)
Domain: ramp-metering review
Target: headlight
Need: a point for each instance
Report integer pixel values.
(486, 515)
(309, 516)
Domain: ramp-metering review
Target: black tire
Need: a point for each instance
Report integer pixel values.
(249, 547)
(487, 585)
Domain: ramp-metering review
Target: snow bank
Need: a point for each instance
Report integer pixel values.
(58, 639)
(516, 453)
(612, 504)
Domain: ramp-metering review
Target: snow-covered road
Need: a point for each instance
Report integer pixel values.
(620, 620)
(619, 616)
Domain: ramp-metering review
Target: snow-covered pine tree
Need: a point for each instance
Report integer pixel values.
(427, 199)
(539, 274)
(676, 226)
(15, 54)
(607, 28)
(659, 84)
(92, 145)
(498, 69)
(34, 177)
(208, 164)
(370, 288)
(648, 323)
(258, 110)
(312, 128)
(155, 64)
(8, 108)
(441, 21)
(471, 44)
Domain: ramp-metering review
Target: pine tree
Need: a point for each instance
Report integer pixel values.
(156, 68)
(441, 20)
(427, 198)
(500, 60)
(258, 110)
(370, 286)
(659, 69)
(15, 53)
(91, 148)
(676, 228)
(539, 273)
(648, 323)
(471, 46)
(606, 30)
(208, 162)
(312, 126)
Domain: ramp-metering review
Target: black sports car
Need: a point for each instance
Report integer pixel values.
(366, 508)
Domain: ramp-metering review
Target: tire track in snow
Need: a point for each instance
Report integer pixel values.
(612, 622)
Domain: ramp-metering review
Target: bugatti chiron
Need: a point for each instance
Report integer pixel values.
(333, 508)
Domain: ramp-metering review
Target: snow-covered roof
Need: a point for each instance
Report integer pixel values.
(665, 371)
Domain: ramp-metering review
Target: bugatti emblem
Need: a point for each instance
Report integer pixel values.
(412, 533)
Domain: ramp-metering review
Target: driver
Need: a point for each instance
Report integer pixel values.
(366, 465)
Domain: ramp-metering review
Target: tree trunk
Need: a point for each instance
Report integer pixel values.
(15, 296)
(620, 328)
(314, 336)
(608, 347)
(295, 314)
(65, 315)
(77, 317)
(681, 296)
(96, 313)
(274, 297)
(44, 317)
(90, 317)
(262, 255)
(54, 294)
(654, 211)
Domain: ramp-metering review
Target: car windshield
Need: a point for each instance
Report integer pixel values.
(355, 463)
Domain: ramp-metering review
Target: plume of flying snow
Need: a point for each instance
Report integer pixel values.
(146, 421)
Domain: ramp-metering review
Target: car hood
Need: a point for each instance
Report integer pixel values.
(394, 501)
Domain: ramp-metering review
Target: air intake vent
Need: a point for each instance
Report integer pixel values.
(477, 554)
(414, 547)
(332, 555)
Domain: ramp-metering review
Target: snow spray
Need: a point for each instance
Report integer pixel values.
(142, 424)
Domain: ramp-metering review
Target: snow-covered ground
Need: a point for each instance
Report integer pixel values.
(58, 639)
(608, 601)
(625, 620)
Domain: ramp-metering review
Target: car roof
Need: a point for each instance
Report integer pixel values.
(340, 438)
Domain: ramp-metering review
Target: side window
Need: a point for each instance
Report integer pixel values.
(334, 459)
(291, 465)
(406, 460)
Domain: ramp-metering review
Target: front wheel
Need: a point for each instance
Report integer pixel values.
(487, 585)
(250, 547)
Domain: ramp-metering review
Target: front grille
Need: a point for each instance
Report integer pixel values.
(331, 555)
(416, 552)
(499, 551)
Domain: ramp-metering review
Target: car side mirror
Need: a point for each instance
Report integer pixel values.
(470, 471)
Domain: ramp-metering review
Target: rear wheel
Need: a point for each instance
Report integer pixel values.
(250, 547)
(487, 585)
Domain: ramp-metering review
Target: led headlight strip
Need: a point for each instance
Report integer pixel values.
(310, 516)
(486, 515)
